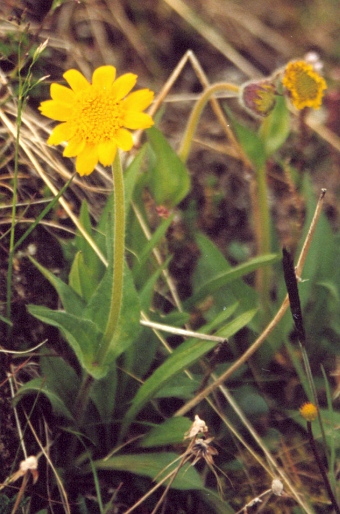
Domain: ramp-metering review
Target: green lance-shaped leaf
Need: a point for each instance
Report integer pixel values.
(83, 336)
(128, 323)
(156, 466)
(170, 432)
(169, 180)
(38, 386)
(228, 276)
(72, 302)
(275, 128)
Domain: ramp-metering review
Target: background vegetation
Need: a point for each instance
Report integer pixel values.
(194, 230)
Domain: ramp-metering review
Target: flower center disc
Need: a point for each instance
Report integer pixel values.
(97, 115)
(306, 86)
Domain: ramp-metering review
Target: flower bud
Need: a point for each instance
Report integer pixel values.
(258, 97)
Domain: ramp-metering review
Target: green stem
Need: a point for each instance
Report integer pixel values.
(260, 201)
(197, 111)
(79, 410)
(15, 195)
(82, 399)
(118, 259)
(262, 232)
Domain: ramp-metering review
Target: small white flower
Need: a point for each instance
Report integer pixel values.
(314, 59)
(197, 427)
(30, 463)
(277, 487)
(32, 249)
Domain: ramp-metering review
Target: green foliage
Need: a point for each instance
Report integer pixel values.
(275, 128)
(85, 300)
(169, 180)
(184, 356)
(87, 269)
(169, 432)
(156, 466)
(252, 144)
(89, 301)
(7, 504)
(233, 273)
(117, 410)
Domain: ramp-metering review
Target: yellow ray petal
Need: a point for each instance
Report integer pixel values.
(87, 160)
(62, 94)
(60, 133)
(56, 110)
(124, 139)
(137, 120)
(123, 85)
(76, 80)
(74, 147)
(104, 76)
(107, 152)
(138, 100)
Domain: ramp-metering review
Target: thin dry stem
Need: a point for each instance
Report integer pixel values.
(182, 332)
(234, 149)
(24, 352)
(21, 436)
(151, 491)
(20, 493)
(62, 490)
(274, 466)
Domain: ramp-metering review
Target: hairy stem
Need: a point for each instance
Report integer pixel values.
(262, 229)
(118, 259)
(197, 111)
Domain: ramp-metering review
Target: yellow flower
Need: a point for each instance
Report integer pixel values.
(309, 411)
(95, 117)
(305, 86)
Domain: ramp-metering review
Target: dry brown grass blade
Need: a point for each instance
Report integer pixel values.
(252, 24)
(35, 162)
(132, 33)
(59, 482)
(233, 148)
(213, 37)
(324, 132)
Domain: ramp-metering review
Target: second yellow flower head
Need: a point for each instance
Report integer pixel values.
(305, 86)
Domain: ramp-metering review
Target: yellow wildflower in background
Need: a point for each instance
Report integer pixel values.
(95, 117)
(309, 411)
(305, 85)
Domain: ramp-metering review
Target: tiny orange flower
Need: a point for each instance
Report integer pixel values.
(304, 84)
(95, 117)
(309, 411)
